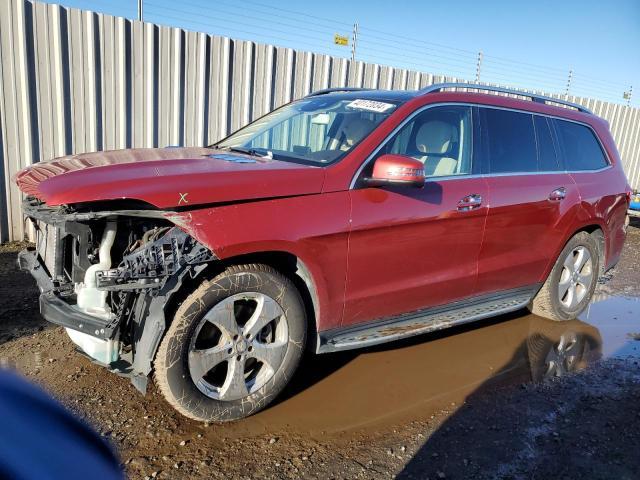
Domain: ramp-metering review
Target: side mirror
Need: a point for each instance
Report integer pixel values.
(391, 169)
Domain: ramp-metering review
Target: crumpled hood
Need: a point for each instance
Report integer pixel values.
(166, 177)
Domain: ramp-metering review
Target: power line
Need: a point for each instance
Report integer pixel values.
(211, 20)
(509, 61)
(331, 20)
(395, 36)
(269, 37)
(373, 44)
(420, 66)
(424, 53)
(420, 61)
(243, 15)
(239, 20)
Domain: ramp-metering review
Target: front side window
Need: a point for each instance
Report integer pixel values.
(313, 130)
(440, 137)
(511, 141)
(582, 150)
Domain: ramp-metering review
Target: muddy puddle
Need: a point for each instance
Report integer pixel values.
(411, 380)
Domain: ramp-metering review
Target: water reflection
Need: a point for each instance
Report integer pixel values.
(618, 320)
(413, 379)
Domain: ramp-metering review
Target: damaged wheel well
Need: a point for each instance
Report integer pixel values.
(284, 262)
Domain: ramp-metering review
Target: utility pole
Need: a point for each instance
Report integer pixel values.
(478, 66)
(140, 10)
(354, 42)
(566, 92)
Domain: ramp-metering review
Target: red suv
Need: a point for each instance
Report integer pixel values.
(342, 220)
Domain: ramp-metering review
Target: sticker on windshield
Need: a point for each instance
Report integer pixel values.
(371, 105)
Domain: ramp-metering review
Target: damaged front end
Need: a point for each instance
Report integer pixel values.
(107, 275)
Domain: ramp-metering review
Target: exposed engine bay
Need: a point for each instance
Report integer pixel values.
(107, 276)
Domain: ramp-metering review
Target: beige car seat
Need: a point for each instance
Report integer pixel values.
(354, 131)
(436, 138)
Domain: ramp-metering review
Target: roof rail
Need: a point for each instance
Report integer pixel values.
(336, 89)
(438, 87)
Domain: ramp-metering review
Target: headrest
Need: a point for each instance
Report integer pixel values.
(355, 130)
(435, 137)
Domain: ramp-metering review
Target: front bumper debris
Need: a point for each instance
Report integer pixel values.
(55, 309)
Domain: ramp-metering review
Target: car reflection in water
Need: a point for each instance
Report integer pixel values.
(413, 379)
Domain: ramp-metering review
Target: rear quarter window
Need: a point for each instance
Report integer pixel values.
(581, 148)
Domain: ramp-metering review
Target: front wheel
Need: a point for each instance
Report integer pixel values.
(233, 345)
(572, 281)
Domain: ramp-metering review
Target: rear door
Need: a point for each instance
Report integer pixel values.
(529, 195)
(412, 248)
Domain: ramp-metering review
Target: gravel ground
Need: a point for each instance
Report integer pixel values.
(455, 404)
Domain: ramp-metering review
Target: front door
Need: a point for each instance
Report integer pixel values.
(413, 248)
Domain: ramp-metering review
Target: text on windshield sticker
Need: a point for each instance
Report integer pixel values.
(371, 105)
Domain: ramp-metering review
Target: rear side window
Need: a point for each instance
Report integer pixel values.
(511, 141)
(582, 150)
(547, 155)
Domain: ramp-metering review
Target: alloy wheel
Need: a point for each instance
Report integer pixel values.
(238, 346)
(576, 277)
(563, 357)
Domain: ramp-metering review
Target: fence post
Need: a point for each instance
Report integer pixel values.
(478, 66)
(566, 93)
(354, 42)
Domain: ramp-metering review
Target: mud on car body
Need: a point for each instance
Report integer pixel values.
(215, 268)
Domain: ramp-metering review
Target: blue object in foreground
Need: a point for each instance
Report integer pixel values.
(39, 439)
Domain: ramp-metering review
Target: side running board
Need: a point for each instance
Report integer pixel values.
(424, 321)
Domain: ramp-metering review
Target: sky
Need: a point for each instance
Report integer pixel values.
(533, 43)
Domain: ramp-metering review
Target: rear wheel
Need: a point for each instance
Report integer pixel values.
(572, 281)
(233, 345)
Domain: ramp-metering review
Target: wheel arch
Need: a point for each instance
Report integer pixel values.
(593, 227)
(296, 270)
(288, 264)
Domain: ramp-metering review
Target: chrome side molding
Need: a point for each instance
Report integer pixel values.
(424, 321)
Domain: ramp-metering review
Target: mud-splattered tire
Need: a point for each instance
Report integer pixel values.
(233, 345)
(572, 281)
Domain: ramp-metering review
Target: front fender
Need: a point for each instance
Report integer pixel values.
(312, 228)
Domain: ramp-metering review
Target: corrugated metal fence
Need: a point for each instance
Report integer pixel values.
(75, 81)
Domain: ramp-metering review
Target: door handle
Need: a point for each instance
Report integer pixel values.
(558, 194)
(470, 202)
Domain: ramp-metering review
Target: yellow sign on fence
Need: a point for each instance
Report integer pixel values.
(340, 40)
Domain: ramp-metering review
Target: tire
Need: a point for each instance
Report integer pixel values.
(579, 278)
(233, 345)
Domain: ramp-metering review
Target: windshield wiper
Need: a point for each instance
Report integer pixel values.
(248, 151)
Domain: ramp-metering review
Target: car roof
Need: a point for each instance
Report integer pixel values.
(402, 96)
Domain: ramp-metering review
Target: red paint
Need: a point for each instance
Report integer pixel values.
(523, 227)
(398, 168)
(371, 252)
(161, 176)
(410, 248)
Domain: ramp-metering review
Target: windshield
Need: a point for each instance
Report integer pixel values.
(312, 130)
